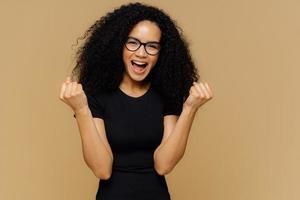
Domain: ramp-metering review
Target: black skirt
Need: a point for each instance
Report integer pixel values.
(142, 184)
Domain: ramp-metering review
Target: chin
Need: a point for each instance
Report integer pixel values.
(138, 78)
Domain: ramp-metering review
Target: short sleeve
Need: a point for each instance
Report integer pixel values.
(96, 106)
(172, 109)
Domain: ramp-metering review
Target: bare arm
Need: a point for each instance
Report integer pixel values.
(96, 150)
(176, 130)
(172, 149)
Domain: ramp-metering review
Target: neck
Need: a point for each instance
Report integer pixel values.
(134, 86)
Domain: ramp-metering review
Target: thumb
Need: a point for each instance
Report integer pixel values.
(68, 80)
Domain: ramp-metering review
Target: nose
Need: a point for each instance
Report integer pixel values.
(141, 52)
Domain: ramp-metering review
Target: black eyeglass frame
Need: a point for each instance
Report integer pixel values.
(144, 44)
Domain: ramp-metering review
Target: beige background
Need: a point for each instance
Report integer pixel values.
(244, 144)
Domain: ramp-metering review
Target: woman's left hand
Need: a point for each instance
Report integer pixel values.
(200, 93)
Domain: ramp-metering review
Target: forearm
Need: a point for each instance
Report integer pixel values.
(169, 154)
(95, 153)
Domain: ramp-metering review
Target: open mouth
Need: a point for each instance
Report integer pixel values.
(139, 67)
(139, 64)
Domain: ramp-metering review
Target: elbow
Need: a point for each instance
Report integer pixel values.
(162, 170)
(103, 176)
(163, 167)
(101, 171)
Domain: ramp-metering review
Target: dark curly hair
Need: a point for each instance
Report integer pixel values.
(99, 65)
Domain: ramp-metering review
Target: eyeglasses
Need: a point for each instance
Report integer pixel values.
(151, 48)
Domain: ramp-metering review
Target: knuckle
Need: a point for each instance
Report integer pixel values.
(197, 95)
(80, 89)
(76, 93)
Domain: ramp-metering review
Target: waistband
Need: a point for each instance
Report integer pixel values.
(134, 169)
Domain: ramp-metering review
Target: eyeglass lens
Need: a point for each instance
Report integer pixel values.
(134, 44)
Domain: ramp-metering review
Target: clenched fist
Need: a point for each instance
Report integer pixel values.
(73, 95)
(200, 93)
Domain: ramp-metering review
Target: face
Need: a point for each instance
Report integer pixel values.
(138, 63)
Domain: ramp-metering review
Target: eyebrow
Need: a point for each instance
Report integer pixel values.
(140, 40)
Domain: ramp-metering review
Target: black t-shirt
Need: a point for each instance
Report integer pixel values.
(133, 125)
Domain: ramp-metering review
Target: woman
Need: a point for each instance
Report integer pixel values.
(135, 101)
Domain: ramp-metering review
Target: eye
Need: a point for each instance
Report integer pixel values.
(132, 41)
(153, 45)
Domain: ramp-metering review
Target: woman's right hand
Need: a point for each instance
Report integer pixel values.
(73, 95)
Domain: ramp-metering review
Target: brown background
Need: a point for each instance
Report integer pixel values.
(244, 144)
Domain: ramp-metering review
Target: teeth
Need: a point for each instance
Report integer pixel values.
(139, 63)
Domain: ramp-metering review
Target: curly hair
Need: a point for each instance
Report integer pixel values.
(99, 64)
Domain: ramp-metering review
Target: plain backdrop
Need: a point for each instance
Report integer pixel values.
(244, 143)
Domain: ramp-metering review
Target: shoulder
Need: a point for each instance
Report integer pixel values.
(169, 106)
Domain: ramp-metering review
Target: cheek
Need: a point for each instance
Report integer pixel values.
(154, 60)
(126, 56)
